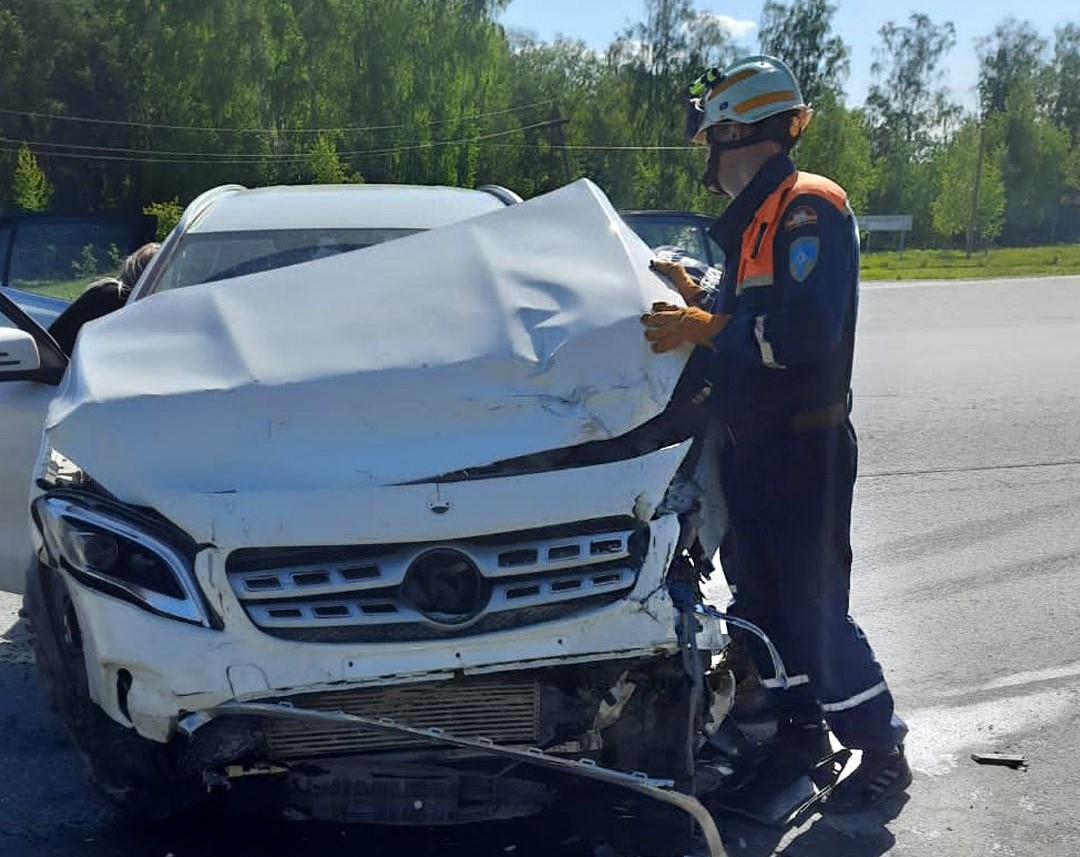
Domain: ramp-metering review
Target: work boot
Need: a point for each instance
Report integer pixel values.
(881, 775)
(806, 740)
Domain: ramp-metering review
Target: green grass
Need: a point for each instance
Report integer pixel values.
(954, 264)
(66, 289)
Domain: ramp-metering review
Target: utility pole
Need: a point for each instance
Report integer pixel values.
(975, 190)
(558, 140)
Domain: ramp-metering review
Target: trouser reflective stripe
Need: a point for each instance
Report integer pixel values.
(793, 681)
(857, 699)
(767, 356)
(790, 505)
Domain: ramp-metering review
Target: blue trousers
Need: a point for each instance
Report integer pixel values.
(789, 501)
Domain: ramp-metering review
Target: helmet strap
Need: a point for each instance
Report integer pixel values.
(709, 178)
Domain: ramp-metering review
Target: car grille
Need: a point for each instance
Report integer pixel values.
(504, 710)
(434, 590)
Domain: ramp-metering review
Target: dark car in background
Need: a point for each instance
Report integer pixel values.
(684, 229)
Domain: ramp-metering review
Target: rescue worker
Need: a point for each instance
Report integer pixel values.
(782, 333)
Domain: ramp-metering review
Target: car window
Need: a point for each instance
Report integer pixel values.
(59, 257)
(6, 229)
(212, 256)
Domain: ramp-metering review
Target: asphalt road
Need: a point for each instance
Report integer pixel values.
(967, 581)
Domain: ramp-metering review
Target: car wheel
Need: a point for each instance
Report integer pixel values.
(139, 776)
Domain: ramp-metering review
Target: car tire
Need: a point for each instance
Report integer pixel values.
(139, 776)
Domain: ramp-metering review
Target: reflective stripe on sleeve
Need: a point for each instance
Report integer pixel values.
(753, 283)
(767, 356)
(792, 681)
(857, 699)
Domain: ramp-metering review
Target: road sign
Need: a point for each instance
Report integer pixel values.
(885, 223)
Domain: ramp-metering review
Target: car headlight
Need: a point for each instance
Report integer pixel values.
(119, 554)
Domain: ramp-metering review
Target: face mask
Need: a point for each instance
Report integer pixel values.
(756, 135)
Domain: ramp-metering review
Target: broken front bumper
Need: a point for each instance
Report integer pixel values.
(146, 671)
(658, 789)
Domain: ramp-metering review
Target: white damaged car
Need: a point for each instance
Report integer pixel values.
(353, 516)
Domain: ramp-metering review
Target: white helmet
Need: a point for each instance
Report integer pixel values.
(747, 91)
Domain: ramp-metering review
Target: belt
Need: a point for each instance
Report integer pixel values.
(752, 432)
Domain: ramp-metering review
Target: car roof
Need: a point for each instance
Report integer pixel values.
(234, 208)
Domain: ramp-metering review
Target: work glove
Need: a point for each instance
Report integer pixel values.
(676, 274)
(669, 326)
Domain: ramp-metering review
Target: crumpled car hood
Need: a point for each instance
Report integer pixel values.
(511, 333)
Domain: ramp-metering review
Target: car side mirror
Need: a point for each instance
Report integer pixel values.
(29, 353)
(19, 354)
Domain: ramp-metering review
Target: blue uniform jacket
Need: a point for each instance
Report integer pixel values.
(789, 346)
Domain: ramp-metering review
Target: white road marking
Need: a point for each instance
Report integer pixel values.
(940, 735)
(1031, 677)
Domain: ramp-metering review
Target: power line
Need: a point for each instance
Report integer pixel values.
(163, 153)
(152, 156)
(599, 148)
(477, 139)
(106, 153)
(58, 117)
(227, 160)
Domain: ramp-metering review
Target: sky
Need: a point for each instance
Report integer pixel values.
(597, 22)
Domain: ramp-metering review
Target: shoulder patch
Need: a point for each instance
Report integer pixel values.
(801, 215)
(802, 257)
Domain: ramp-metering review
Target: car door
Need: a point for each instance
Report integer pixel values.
(25, 394)
(45, 260)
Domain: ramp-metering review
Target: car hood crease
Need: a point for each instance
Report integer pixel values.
(507, 334)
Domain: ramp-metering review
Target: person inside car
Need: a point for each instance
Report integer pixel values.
(101, 298)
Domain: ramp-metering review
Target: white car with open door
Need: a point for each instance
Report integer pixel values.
(353, 453)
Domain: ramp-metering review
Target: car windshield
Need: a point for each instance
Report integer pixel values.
(212, 256)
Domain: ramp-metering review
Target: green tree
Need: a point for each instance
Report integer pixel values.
(143, 101)
(562, 78)
(801, 35)
(30, 189)
(323, 164)
(1036, 162)
(168, 214)
(1071, 171)
(909, 103)
(1010, 56)
(650, 65)
(909, 115)
(12, 48)
(960, 173)
(837, 145)
(1066, 79)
